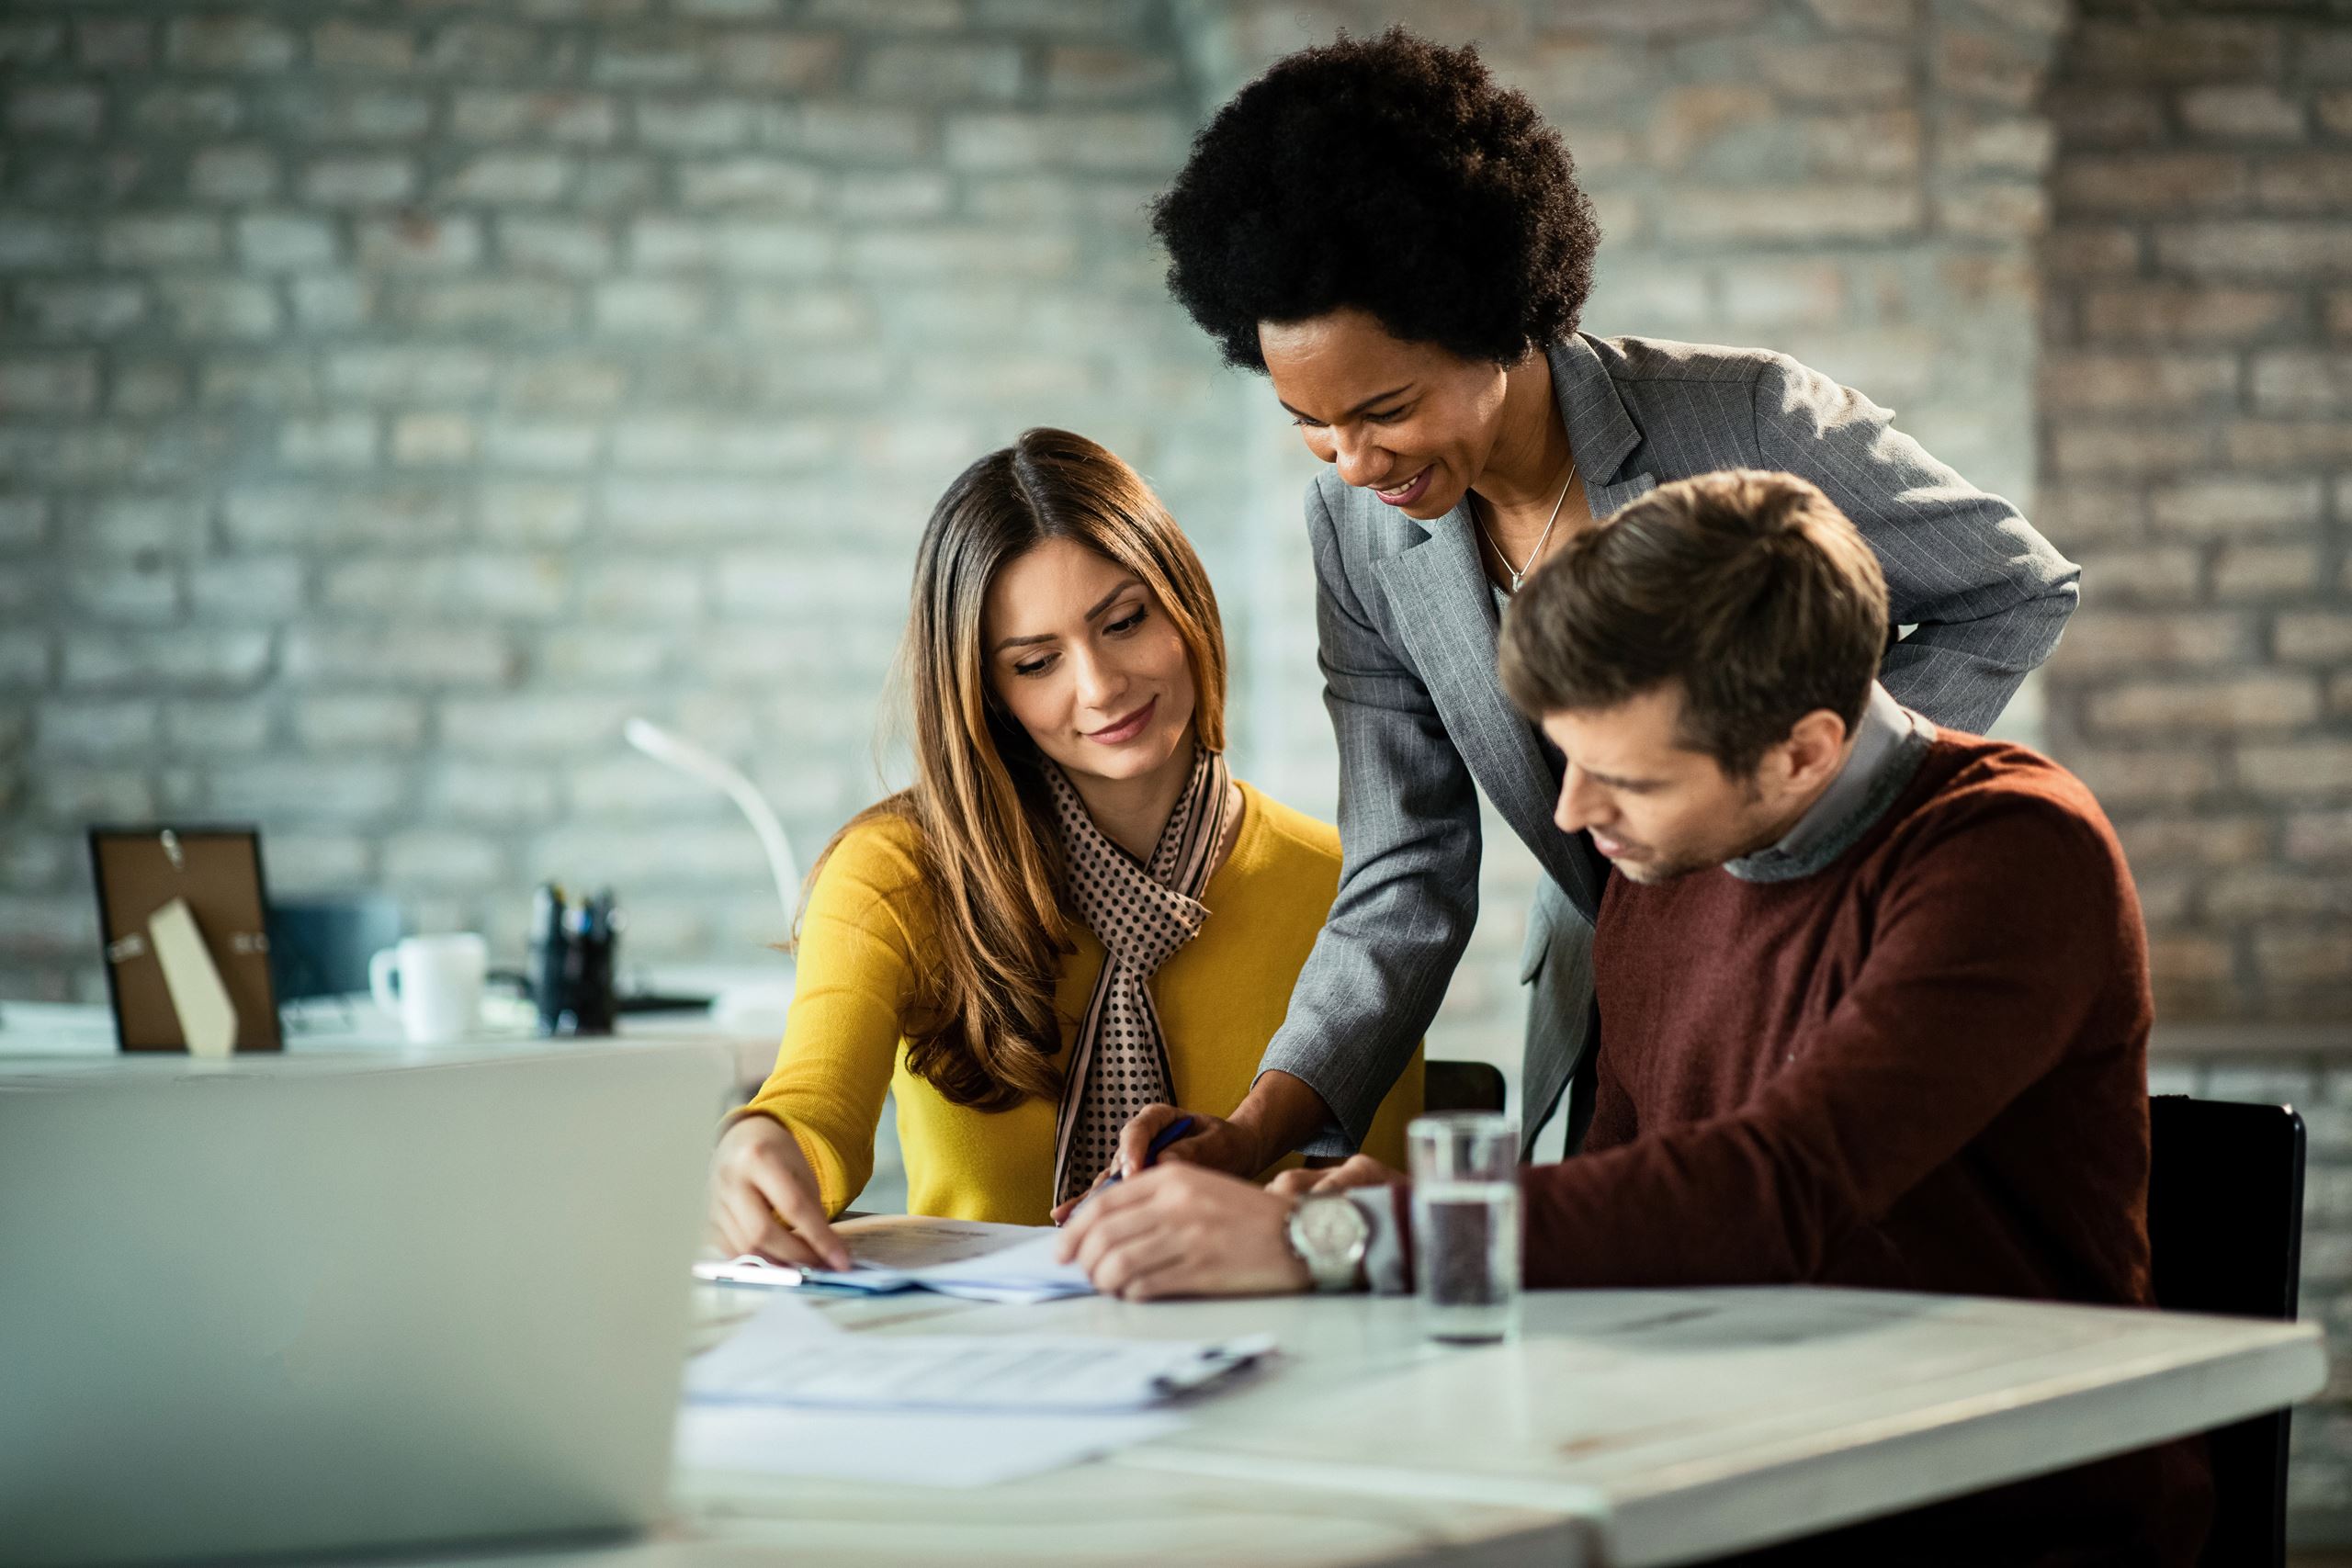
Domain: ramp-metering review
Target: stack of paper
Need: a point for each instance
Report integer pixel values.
(789, 1393)
(895, 1447)
(788, 1353)
(981, 1371)
(911, 1252)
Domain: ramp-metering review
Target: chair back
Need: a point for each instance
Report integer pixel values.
(2225, 1235)
(1460, 1086)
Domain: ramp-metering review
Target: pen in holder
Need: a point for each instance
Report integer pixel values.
(572, 962)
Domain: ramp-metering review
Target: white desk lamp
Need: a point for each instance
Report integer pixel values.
(757, 1006)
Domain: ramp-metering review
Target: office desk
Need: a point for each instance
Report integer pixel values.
(36, 1033)
(1624, 1428)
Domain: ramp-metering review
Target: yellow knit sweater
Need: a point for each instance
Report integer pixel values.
(1220, 999)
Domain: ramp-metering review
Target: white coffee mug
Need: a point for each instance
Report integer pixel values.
(433, 984)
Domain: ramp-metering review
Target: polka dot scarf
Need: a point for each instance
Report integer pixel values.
(1142, 913)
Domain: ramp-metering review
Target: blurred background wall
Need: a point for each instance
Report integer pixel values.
(2196, 446)
(397, 394)
(2197, 461)
(400, 395)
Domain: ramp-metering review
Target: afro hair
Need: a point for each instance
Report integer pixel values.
(1392, 174)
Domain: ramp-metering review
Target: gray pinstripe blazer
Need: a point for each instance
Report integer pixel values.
(1407, 627)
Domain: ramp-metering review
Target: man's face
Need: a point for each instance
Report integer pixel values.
(1655, 808)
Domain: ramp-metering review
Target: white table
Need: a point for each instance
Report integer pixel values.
(1624, 1428)
(76, 1032)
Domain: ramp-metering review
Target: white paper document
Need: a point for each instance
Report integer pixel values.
(790, 1393)
(786, 1326)
(914, 1252)
(787, 1354)
(979, 1371)
(901, 1447)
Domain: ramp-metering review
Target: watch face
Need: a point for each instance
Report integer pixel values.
(1331, 1227)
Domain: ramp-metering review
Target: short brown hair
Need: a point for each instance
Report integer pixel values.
(1750, 589)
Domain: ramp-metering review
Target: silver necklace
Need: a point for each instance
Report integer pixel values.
(1519, 573)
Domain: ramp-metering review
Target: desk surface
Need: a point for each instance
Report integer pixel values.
(38, 1036)
(1623, 1427)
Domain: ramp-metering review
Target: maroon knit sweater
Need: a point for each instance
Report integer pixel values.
(1922, 1068)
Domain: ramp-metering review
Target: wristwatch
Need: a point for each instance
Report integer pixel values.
(1329, 1234)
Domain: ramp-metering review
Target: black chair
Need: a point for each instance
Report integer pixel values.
(2225, 1235)
(1460, 1086)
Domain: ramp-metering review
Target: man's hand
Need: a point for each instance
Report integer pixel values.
(1181, 1230)
(1359, 1170)
(764, 1199)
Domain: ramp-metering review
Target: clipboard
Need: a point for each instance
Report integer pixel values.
(183, 916)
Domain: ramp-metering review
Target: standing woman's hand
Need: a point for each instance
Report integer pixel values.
(763, 1198)
(1211, 1141)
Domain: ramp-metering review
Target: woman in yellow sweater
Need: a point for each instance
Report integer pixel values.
(1072, 913)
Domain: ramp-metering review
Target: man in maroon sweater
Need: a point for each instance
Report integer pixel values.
(1873, 997)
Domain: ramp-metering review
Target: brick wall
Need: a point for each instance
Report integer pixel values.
(394, 397)
(2196, 398)
(2195, 433)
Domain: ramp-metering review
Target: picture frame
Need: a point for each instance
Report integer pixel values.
(156, 885)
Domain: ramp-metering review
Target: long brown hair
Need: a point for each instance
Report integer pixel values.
(987, 1033)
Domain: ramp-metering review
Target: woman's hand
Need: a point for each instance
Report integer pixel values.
(1358, 1170)
(763, 1198)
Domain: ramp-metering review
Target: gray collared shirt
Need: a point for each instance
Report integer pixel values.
(1889, 741)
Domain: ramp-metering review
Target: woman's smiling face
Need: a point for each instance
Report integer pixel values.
(1412, 423)
(1084, 659)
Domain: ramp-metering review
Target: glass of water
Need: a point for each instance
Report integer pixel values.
(1466, 1223)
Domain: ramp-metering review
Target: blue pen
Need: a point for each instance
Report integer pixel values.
(1173, 1131)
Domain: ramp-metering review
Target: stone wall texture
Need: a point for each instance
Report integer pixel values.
(2196, 446)
(2196, 396)
(396, 395)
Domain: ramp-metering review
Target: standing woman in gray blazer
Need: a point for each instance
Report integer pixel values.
(1400, 244)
